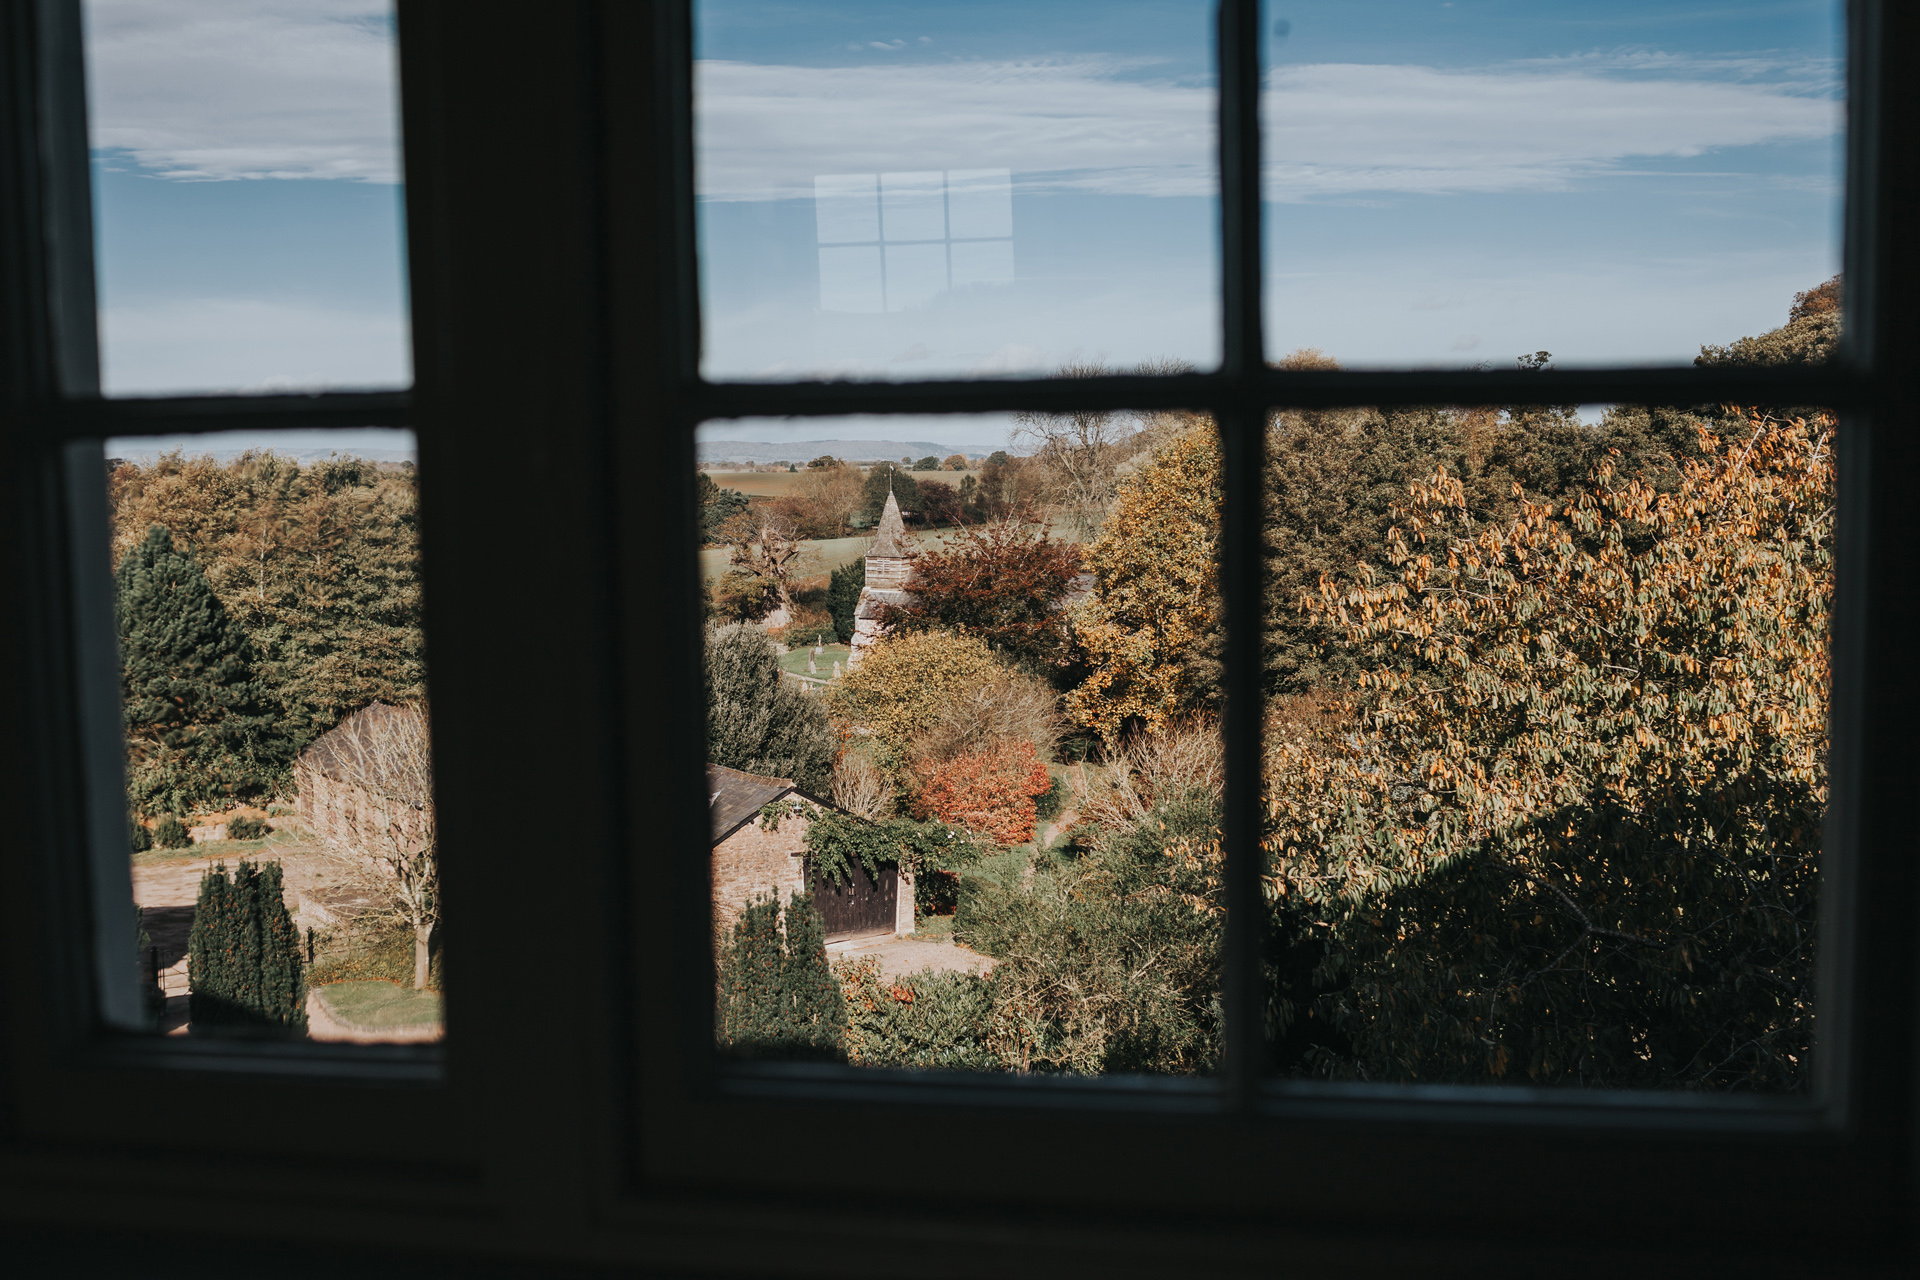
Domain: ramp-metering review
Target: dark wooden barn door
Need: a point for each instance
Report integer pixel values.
(862, 906)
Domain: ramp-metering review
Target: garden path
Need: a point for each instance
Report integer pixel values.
(899, 956)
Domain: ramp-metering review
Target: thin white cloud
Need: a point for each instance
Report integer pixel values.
(1098, 124)
(212, 90)
(765, 131)
(1334, 128)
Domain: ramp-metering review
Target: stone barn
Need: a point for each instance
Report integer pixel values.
(355, 788)
(752, 860)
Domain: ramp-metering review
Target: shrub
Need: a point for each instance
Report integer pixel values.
(926, 1020)
(381, 955)
(902, 685)
(935, 893)
(142, 839)
(246, 828)
(987, 893)
(990, 792)
(756, 721)
(171, 833)
(805, 635)
(1006, 704)
(777, 996)
(245, 967)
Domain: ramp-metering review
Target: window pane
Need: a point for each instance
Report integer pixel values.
(247, 197)
(1461, 185)
(963, 702)
(910, 191)
(1546, 746)
(273, 695)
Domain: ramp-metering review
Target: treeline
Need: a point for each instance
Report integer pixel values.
(310, 611)
(834, 499)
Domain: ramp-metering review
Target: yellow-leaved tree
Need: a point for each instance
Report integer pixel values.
(1570, 832)
(1149, 633)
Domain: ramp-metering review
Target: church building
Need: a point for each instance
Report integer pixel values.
(889, 570)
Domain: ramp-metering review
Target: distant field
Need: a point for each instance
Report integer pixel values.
(826, 555)
(778, 484)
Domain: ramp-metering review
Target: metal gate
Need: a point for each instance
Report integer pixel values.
(862, 906)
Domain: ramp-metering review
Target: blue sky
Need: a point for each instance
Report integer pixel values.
(1449, 183)
(247, 201)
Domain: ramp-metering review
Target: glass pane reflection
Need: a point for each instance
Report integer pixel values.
(915, 191)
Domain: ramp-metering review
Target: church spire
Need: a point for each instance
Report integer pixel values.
(890, 539)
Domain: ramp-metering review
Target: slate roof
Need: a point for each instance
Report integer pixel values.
(890, 539)
(735, 798)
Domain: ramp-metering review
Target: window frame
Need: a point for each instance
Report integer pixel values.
(1238, 395)
(583, 1118)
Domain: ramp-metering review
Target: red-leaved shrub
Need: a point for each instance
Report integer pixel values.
(990, 792)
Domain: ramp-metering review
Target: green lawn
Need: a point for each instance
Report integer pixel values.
(229, 851)
(369, 1006)
(796, 662)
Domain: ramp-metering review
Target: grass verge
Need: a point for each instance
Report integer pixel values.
(379, 1006)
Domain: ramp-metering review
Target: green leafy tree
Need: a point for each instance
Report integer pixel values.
(758, 722)
(201, 730)
(843, 596)
(928, 463)
(245, 970)
(778, 998)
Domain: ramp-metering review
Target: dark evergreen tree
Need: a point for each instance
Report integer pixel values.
(200, 729)
(757, 722)
(717, 506)
(885, 478)
(245, 970)
(777, 997)
(843, 594)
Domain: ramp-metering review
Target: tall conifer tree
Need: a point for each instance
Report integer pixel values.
(199, 726)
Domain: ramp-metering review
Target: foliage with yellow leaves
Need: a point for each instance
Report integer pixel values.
(1571, 831)
(1150, 631)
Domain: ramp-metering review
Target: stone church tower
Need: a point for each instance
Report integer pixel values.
(889, 570)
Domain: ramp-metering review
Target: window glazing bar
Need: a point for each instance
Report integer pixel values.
(1835, 387)
(1241, 423)
(166, 415)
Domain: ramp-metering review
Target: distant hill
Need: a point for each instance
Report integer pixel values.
(146, 457)
(803, 451)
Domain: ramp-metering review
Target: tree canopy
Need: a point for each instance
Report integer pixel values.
(1570, 830)
(1003, 583)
